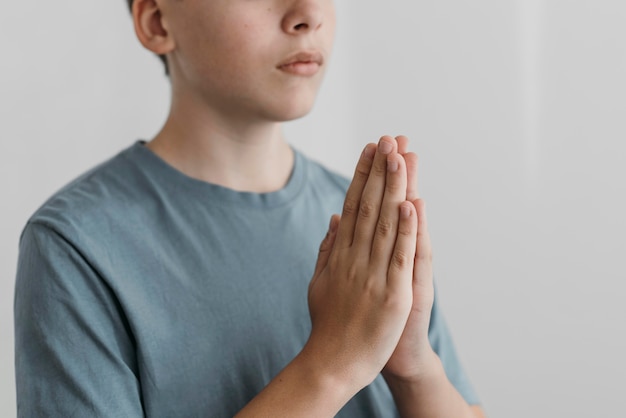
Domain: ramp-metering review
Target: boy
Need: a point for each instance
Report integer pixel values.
(174, 279)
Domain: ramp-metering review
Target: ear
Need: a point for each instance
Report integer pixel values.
(151, 27)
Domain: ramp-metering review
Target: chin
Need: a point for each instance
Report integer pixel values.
(290, 110)
(293, 115)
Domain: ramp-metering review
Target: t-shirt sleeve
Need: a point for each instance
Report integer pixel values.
(441, 342)
(74, 353)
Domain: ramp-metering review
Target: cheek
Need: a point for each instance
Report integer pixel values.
(247, 52)
(208, 52)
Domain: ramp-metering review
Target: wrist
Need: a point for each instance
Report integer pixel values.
(430, 379)
(427, 369)
(328, 374)
(428, 394)
(304, 388)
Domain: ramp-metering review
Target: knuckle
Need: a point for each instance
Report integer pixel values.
(384, 227)
(394, 303)
(379, 170)
(324, 245)
(400, 259)
(362, 171)
(350, 206)
(333, 266)
(371, 288)
(405, 229)
(353, 272)
(333, 260)
(367, 209)
(393, 186)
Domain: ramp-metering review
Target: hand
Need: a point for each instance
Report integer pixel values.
(413, 352)
(360, 295)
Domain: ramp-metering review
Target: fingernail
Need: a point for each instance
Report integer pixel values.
(392, 165)
(385, 147)
(369, 152)
(405, 211)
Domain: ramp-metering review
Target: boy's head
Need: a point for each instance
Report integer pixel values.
(260, 59)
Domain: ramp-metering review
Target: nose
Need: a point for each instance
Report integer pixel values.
(304, 16)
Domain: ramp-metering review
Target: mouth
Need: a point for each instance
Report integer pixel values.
(303, 63)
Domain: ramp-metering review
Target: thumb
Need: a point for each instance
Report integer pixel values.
(327, 245)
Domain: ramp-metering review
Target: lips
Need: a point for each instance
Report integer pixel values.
(304, 63)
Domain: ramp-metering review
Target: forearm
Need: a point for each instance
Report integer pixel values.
(432, 395)
(302, 389)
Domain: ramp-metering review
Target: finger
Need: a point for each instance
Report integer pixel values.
(327, 245)
(372, 196)
(403, 144)
(389, 217)
(411, 161)
(402, 261)
(423, 275)
(345, 234)
(411, 166)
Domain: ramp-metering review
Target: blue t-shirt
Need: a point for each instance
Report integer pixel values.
(142, 291)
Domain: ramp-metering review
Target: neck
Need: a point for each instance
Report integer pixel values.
(228, 150)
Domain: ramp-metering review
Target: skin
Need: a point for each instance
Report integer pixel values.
(375, 264)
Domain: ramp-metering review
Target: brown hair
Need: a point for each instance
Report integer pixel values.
(163, 58)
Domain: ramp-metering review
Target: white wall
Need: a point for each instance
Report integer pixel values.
(516, 109)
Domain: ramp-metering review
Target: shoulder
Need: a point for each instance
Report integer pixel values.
(99, 195)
